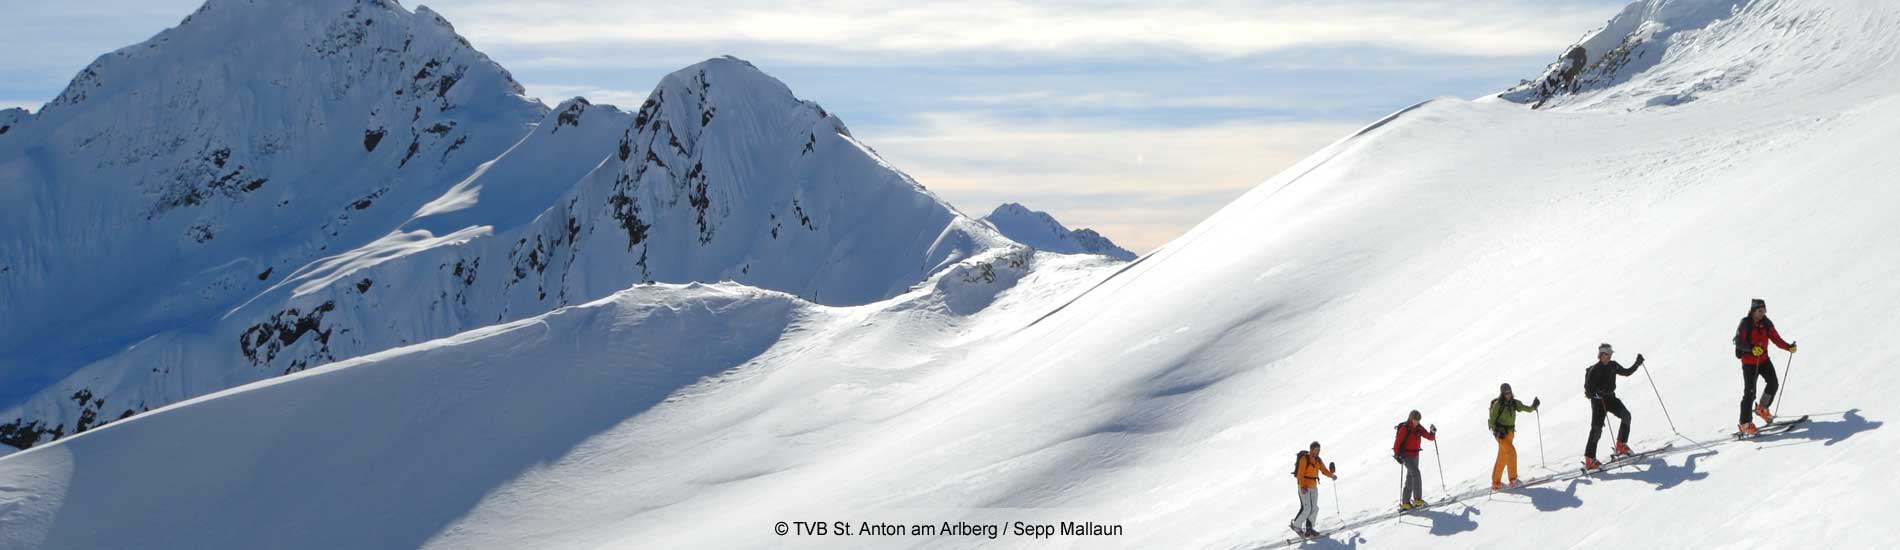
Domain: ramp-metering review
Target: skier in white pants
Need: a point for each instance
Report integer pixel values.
(1307, 468)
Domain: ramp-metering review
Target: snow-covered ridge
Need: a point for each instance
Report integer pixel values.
(1662, 53)
(1042, 231)
(597, 366)
(722, 175)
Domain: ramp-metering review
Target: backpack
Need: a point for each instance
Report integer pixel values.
(1586, 380)
(1298, 460)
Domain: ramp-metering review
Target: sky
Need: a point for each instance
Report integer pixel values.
(1137, 119)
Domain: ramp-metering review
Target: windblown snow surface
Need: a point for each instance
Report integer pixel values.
(1415, 264)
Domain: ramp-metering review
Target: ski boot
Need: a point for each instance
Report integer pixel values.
(1747, 430)
(1766, 417)
(1622, 450)
(1418, 503)
(1405, 506)
(1498, 485)
(1515, 484)
(1590, 463)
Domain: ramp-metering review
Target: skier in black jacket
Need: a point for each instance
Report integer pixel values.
(1599, 384)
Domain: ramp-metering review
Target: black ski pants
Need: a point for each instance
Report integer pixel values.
(1765, 371)
(1606, 404)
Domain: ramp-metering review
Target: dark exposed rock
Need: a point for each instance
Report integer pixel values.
(265, 275)
(362, 286)
(200, 232)
(413, 147)
(371, 138)
(20, 434)
(467, 272)
(627, 211)
(263, 341)
(453, 146)
(571, 116)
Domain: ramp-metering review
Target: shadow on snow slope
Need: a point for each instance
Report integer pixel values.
(270, 453)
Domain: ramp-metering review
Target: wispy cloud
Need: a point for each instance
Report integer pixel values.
(1221, 29)
(556, 93)
(1139, 185)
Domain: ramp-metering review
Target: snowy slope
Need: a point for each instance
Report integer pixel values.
(1041, 230)
(722, 175)
(594, 367)
(1412, 265)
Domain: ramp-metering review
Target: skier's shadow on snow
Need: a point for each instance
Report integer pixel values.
(1658, 472)
(1546, 499)
(1445, 524)
(1828, 433)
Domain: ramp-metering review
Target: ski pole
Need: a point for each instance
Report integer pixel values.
(1540, 439)
(1659, 401)
(1441, 469)
(1337, 511)
(1665, 409)
(1785, 377)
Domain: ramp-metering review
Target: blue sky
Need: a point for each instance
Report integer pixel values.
(1138, 119)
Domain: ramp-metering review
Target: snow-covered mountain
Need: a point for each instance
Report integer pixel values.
(1042, 231)
(184, 222)
(1415, 264)
(1645, 47)
(175, 178)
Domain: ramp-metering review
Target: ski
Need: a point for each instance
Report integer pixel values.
(1776, 427)
(1625, 460)
(1298, 536)
(1788, 424)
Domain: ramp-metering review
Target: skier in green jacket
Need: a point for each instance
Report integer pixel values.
(1503, 424)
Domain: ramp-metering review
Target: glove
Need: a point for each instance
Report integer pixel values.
(1434, 429)
(1792, 347)
(1639, 360)
(1395, 458)
(1535, 402)
(1758, 351)
(1498, 433)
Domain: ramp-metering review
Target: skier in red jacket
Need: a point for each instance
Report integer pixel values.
(1752, 337)
(1405, 448)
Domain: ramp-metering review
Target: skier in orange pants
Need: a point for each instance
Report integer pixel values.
(1503, 423)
